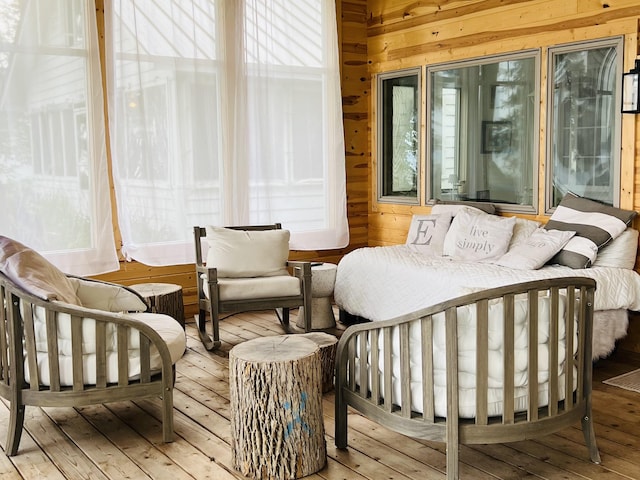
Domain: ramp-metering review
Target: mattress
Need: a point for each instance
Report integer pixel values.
(380, 283)
(467, 359)
(168, 329)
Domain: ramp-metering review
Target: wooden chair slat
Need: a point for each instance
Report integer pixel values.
(52, 349)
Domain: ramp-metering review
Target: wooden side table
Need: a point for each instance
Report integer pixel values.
(277, 427)
(328, 344)
(163, 298)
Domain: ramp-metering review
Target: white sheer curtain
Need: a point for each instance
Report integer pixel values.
(225, 112)
(54, 192)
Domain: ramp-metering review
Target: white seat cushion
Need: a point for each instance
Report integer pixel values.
(168, 328)
(259, 287)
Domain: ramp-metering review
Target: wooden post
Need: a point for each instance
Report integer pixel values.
(277, 426)
(328, 344)
(163, 298)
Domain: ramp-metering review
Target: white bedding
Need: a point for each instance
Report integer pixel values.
(467, 322)
(380, 283)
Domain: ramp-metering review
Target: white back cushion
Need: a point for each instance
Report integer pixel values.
(246, 253)
(621, 252)
(34, 273)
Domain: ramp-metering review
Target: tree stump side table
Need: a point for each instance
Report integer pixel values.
(163, 298)
(328, 345)
(277, 426)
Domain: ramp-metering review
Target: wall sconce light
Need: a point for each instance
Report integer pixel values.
(631, 90)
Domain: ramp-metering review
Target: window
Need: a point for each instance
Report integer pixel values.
(52, 134)
(584, 128)
(242, 131)
(483, 116)
(399, 136)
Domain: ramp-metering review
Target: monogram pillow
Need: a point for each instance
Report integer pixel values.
(427, 232)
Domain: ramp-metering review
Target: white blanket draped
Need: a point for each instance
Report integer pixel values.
(380, 283)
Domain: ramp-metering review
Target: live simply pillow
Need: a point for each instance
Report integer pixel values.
(481, 237)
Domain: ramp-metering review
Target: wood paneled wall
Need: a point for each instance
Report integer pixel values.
(352, 36)
(403, 34)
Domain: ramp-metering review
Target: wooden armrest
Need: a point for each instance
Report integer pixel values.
(300, 269)
(211, 273)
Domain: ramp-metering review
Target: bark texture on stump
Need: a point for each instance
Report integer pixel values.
(328, 345)
(277, 426)
(163, 298)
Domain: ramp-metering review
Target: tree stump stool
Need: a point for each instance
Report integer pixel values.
(163, 298)
(277, 427)
(328, 345)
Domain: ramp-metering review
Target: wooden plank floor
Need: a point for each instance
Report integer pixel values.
(122, 440)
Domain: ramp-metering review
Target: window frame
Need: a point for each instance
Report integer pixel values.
(380, 79)
(535, 54)
(552, 51)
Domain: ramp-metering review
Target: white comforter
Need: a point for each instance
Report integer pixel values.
(380, 283)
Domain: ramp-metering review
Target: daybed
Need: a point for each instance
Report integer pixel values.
(463, 371)
(72, 341)
(380, 283)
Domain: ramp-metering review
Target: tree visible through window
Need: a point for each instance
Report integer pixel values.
(398, 135)
(584, 121)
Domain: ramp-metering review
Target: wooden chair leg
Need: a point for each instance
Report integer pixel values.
(167, 409)
(340, 421)
(16, 423)
(283, 316)
(452, 459)
(210, 343)
(590, 437)
(307, 319)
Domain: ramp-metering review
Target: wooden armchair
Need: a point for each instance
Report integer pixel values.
(500, 365)
(58, 354)
(247, 268)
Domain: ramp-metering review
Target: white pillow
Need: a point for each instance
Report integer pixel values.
(449, 246)
(107, 296)
(522, 231)
(482, 237)
(247, 253)
(34, 273)
(453, 209)
(427, 232)
(621, 252)
(536, 250)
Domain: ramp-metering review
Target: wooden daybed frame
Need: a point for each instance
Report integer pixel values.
(364, 392)
(17, 343)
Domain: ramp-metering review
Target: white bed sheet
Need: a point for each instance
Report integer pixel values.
(379, 283)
